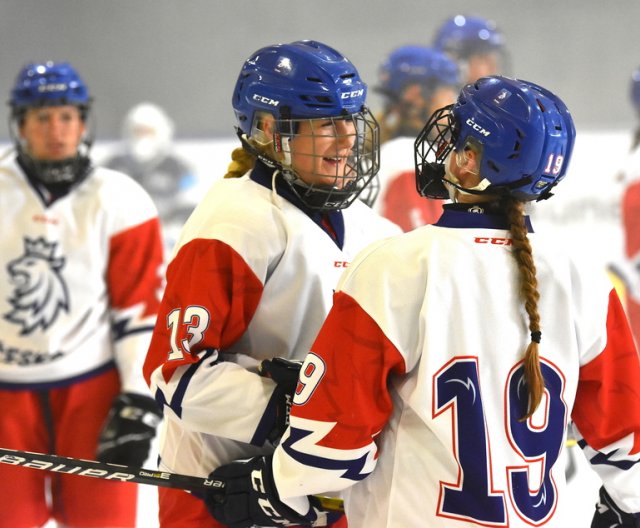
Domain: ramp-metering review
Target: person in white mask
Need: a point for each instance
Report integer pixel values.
(147, 155)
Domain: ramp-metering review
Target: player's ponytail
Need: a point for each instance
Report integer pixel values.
(529, 292)
(242, 161)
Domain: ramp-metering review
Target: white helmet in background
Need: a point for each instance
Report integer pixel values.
(148, 132)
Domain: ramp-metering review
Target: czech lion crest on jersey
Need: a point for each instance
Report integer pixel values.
(39, 293)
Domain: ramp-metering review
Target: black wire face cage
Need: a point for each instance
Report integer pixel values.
(431, 149)
(329, 161)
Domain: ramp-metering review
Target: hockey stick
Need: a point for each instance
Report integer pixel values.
(116, 472)
(93, 468)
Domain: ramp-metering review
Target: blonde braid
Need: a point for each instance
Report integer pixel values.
(242, 161)
(529, 292)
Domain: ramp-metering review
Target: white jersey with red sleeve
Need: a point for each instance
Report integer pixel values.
(79, 280)
(252, 277)
(411, 398)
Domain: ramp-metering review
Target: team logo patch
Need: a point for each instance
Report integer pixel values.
(502, 96)
(39, 293)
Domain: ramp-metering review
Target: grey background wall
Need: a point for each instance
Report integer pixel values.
(185, 54)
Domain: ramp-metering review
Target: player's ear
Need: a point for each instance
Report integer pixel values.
(267, 124)
(467, 159)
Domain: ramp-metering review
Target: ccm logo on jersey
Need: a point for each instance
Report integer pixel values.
(354, 93)
(477, 127)
(265, 100)
(497, 241)
(340, 264)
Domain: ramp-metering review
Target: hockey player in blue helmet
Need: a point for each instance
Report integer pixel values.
(522, 155)
(309, 120)
(253, 273)
(414, 81)
(634, 96)
(475, 43)
(625, 270)
(439, 388)
(81, 254)
(61, 161)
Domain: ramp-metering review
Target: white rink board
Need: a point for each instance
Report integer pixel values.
(584, 211)
(584, 208)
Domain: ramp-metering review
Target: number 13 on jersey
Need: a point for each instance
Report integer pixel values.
(196, 319)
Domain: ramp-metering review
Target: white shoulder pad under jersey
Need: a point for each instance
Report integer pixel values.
(79, 279)
(419, 363)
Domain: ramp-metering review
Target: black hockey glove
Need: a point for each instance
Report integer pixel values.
(128, 430)
(285, 373)
(251, 498)
(608, 515)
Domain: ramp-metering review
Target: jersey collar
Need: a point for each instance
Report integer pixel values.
(476, 216)
(331, 222)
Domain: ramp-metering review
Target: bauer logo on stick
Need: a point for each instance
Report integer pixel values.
(34, 463)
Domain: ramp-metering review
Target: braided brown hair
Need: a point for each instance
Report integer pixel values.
(529, 292)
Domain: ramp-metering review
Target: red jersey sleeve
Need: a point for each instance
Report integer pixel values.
(607, 405)
(210, 298)
(631, 219)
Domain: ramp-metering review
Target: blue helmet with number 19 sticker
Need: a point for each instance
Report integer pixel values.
(524, 132)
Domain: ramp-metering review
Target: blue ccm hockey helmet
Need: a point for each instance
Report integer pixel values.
(462, 36)
(304, 79)
(48, 84)
(309, 80)
(526, 134)
(416, 64)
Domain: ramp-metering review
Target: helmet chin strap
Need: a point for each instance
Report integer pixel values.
(281, 145)
(452, 183)
(286, 171)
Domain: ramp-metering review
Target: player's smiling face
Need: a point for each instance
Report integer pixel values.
(52, 133)
(321, 149)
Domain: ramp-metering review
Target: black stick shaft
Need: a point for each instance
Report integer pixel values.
(116, 472)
